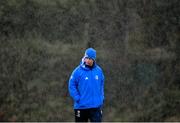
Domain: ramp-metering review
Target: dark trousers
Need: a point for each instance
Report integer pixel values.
(93, 114)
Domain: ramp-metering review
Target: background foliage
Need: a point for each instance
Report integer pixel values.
(137, 43)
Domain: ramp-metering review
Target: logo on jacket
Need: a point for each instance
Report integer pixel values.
(96, 77)
(86, 78)
(78, 113)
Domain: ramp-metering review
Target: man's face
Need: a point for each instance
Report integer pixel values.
(88, 61)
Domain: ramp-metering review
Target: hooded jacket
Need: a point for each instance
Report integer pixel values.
(86, 86)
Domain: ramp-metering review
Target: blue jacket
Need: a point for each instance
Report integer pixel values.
(86, 87)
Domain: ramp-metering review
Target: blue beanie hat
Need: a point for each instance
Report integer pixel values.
(90, 53)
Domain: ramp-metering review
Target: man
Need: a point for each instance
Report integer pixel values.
(86, 87)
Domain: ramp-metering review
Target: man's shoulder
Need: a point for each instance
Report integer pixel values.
(77, 68)
(78, 71)
(99, 68)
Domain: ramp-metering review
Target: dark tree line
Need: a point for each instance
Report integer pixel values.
(137, 43)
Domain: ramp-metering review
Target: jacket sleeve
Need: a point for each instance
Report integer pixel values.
(102, 85)
(73, 86)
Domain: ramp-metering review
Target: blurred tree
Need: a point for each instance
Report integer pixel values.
(137, 43)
